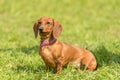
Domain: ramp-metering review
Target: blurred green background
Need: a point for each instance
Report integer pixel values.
(91, 24)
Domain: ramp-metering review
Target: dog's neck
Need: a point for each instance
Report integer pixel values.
(47, 42)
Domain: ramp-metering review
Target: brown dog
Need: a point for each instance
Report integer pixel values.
(57, 54)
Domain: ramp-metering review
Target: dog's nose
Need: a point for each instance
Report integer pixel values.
(41, 29)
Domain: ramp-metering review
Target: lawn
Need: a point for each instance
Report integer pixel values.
(91, 24)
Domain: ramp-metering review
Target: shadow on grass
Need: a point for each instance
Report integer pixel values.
(103, 56)
(5, 49)
(29, 50)
(24, 49)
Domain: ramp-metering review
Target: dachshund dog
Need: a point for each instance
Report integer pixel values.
(57, 54)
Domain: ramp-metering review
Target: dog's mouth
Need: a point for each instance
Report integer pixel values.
(44, 35)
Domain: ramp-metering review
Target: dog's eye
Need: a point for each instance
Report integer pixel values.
(39, 22)
(47, 22)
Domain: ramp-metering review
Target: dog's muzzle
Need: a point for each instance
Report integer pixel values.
(41, 29)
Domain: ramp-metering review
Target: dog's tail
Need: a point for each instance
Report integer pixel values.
(97, 67)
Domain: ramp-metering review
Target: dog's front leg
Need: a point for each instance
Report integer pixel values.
(47, 67)
(59, 66)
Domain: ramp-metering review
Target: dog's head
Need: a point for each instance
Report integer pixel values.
(47, 27)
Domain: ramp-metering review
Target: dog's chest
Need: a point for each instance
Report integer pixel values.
(48, 56)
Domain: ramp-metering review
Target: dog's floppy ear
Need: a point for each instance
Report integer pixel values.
(35, 28)
(57, 29)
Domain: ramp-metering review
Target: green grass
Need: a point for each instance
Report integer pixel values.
(91, 24)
